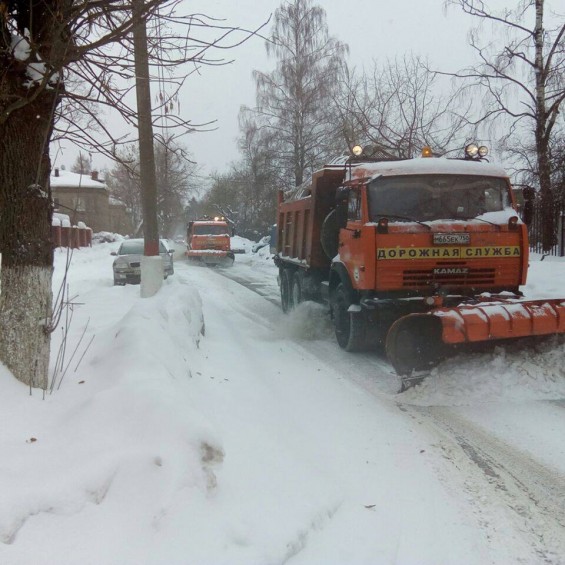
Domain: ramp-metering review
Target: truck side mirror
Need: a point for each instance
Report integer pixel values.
(341, 194)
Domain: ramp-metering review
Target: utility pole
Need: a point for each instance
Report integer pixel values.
(151, 269)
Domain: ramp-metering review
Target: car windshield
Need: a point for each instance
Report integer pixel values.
(210, 230)
(436, 197)
(136, 247)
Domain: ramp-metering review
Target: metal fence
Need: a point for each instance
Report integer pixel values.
(535, 231)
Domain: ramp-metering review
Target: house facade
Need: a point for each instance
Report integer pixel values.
(85, 198)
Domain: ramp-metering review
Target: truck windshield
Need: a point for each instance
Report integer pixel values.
(436, 197)
(210, 230)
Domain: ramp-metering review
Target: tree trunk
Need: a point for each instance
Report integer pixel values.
(25, 238)
(548, 238)
(542, 135)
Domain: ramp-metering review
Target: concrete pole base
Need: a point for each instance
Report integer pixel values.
(152, 272)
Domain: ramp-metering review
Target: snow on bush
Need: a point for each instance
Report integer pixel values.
(106, 237)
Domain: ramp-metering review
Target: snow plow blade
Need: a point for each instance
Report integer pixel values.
(211, 257)
(416, 342)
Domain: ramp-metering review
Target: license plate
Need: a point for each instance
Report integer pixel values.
(452, 238)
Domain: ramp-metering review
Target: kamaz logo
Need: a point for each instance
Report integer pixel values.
(450, 271)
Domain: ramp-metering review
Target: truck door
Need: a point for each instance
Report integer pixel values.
(352, 242)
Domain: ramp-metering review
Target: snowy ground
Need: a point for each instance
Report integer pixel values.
(261, 442)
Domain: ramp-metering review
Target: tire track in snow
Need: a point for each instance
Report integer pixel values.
(560, 403)
(532, 494)
(510, 493)
(260, 288)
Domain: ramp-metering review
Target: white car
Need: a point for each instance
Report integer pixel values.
(127, 265)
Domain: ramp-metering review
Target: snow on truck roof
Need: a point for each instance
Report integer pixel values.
(429, 166)
(418, 166)
(209, 222)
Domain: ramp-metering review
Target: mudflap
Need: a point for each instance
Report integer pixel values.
(414, 346)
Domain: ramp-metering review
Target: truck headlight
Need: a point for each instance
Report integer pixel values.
(471, 150)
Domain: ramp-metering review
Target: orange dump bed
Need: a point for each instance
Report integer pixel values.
(300, 219)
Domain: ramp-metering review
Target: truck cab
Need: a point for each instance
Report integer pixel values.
(428, 227)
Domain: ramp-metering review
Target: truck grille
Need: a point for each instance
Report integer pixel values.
(448, 276)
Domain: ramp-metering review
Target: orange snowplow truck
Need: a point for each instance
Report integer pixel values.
(208, 241)
(416, 255)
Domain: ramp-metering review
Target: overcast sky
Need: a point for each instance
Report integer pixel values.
(373, 30)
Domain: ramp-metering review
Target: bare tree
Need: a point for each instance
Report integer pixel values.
(292, 100)
(82, 164)
(523, 78)
(398, 109)
(176, 179)
(79, 53)
(248, 192)
(123, 182)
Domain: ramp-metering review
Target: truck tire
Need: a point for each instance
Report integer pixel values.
(349, 326)
(286, 291)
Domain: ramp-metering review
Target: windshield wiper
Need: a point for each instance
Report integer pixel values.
(476, 218)
(407, 218)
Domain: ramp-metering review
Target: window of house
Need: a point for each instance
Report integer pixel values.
(79, 204)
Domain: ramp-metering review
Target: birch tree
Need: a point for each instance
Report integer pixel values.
(293, 99)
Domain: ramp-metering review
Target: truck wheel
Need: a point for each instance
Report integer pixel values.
(286, 291)
(349, 326)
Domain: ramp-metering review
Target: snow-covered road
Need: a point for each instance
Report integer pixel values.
(500, 448)
(264, 443)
